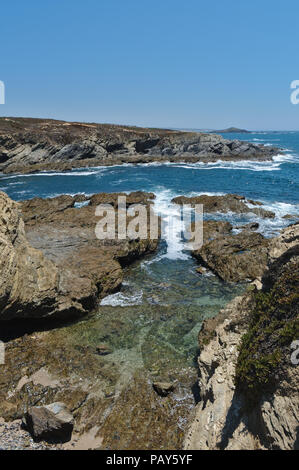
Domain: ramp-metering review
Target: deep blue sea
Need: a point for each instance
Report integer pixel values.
(276, 181)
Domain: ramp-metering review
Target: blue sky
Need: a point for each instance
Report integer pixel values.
(168, 63)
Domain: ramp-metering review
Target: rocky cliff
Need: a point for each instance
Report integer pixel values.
(248, 383)
(28, 145)
(54, 265)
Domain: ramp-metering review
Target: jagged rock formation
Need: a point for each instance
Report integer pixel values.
(226, 203)
(232, 257)
(28, 145)
(248, 384)
(65, 269)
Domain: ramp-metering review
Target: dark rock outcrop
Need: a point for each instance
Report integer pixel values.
(53, 423)
(251, 226)
(227, 203)
(28, 145)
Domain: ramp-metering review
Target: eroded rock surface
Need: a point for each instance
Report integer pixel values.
(29, 281)
(232, 256)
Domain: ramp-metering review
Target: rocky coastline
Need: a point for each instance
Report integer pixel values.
(32, 145)
(55, 268)
(248, 383)
(232, 256)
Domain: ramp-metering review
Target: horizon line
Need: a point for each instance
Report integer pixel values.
(177, 128)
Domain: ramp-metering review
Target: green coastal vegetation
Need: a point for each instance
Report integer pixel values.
(273, 325)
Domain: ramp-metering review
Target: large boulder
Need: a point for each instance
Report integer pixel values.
(235, 257)
(52, 423)
(163, 388)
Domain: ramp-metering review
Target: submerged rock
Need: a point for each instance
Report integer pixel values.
(250, 226)
(53, 423)
(163, 388)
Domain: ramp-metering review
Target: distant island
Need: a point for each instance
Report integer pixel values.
(231, 130)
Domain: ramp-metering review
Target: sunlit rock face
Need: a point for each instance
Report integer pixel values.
(55, 266)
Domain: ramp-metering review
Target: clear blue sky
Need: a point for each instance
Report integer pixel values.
(165, 63)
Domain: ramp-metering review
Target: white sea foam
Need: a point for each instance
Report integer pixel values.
(75, 172)
(248, 165)
(99, 171)
(286, 158)
(270, 227)
(172, 226)
(122, 300)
